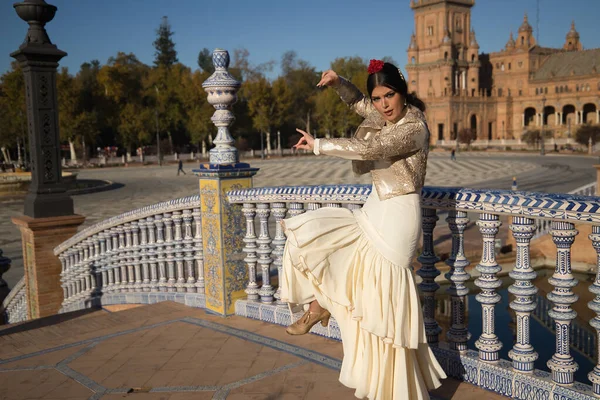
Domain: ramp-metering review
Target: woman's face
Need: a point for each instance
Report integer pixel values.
(388, 102)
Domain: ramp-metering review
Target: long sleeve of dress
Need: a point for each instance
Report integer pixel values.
(354, 98)
(396, 141)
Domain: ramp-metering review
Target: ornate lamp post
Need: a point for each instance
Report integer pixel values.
(542, 149)
(38, 59)
(49, 218)
(224, 269)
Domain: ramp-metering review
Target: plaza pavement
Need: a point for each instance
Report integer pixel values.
(168, 351)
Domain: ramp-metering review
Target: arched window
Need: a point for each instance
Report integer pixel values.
(536, 91)
(445, 55)
(472, 57)
(522, 40)
(412, 60)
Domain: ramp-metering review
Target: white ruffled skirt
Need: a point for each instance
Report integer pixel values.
(356, 264)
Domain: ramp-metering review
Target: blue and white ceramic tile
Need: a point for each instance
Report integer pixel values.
(496, 379)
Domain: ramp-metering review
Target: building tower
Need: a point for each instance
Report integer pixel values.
(572, 43)
(443, 52)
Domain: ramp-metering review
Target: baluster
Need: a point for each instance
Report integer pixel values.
(488, 343)
(95, 275)
(458, 334)
(169, 251)
(63, 277)
(136, 286)
(264, 250)
(279, 211)
(143, 254)
(102, 263)
(81, 271)
(188, 243)
(252, 289)
(114, 232)
(152, 254)
(110, 260)
(429, 272)
(333, 205)
(178, 251)
(594, 305)
(313, 206)
(198, 252)
(129, 257)
(562, 364)
(161, 258)
(67, 276)
(523, 354)
(122, 259)
(75, 272)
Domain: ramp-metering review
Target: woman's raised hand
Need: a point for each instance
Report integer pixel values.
(306, 142)
(329, 78)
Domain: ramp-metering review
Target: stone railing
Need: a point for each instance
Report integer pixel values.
(14, 306)
(516, 378)
(143, 256)
(544, 226)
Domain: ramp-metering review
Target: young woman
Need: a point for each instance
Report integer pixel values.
(356, 265)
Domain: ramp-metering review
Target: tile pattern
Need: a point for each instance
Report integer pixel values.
(81, 366)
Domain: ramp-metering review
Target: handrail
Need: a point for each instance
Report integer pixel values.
(129, 216)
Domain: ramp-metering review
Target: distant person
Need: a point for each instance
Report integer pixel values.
(180, 168)
(453, 154)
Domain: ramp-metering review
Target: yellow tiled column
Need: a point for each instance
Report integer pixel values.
(223, 224)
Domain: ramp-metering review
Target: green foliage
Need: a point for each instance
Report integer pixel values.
(119, 103)
(165, 54)
(533, 136)
(13, 116)
(587, 131)
(205, 61)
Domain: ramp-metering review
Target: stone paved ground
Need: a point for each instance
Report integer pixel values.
(152, 184)
(170, 351)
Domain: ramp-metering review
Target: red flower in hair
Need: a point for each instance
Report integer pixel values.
(375, 66)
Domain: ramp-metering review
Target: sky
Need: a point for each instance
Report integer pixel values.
(317, 30)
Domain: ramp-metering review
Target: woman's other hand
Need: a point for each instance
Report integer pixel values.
(306, 142)
(329, 78)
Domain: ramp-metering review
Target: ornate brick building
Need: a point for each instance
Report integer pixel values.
(501, 94)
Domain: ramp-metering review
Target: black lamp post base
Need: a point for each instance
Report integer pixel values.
(48, 205)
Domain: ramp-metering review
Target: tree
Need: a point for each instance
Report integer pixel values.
(466, 135)
(205, 61)
(123, 80)
(532, 136)
(587, 131)
(13, 114)
(67, 96)
(165, 54)
(355, 70)
(301, 78)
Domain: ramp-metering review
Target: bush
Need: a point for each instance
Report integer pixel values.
(587, 131)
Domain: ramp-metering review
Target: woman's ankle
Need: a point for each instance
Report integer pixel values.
(315, 307)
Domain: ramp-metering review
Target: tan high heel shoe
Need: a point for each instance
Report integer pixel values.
(307, 321)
